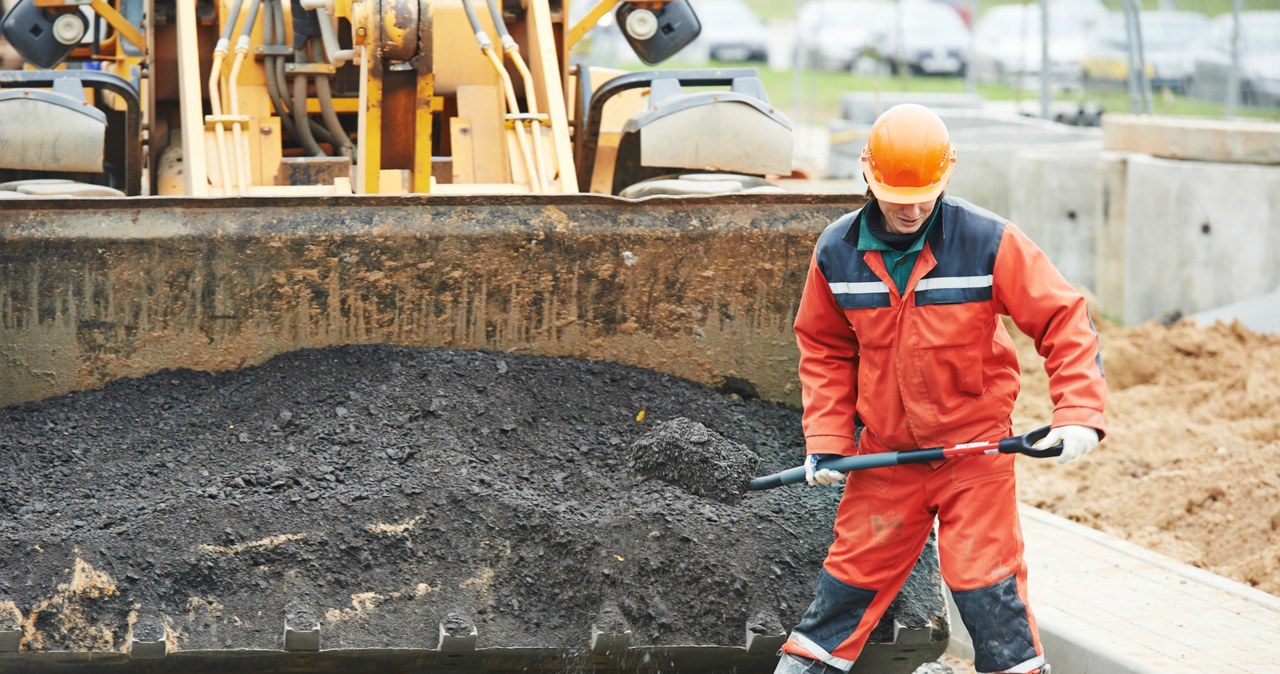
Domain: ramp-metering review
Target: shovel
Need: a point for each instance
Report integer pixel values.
(1018, 444)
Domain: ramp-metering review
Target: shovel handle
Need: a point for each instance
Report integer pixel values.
(1018, 444)
(1023, 444)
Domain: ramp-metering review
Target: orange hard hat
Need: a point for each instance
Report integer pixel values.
(909, 157)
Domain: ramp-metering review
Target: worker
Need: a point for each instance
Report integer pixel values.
(902, 346)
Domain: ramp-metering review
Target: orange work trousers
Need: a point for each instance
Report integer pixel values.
(881, 526)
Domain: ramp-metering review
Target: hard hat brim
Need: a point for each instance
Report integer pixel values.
(907, 195)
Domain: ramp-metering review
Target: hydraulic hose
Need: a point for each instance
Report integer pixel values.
(318, 131)
(476, 28)
(341, 143)
(300, 117)
(508, 89)
(329, 38)
(215, 95)
(496, 13)
(240, 143)
(269, 37)
(530, 95)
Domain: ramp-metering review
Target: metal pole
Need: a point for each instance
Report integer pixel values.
(899, 38)
(798, 57)
(1233, 76)
(1139, 85)
(971, 80)
(1044, 59)
(1142, 56)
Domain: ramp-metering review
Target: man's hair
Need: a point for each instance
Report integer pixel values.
(871, 196)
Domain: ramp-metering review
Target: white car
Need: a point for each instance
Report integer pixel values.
(731, 31)
(1007, 44)
(923, 36)
(1259, 59)
(830, 34)
(1166, 35)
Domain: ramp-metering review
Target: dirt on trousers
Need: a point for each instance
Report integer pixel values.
(382, 490)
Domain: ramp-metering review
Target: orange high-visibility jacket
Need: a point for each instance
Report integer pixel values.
(934, 366)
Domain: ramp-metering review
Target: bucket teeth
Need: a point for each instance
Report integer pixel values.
(10, 627)
(610, 633)
(907, 635)
(765, 634)
(147, 641)
(457, 634)
(301, 629)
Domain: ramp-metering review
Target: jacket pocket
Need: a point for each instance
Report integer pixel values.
(953, 325)
(870, 480)
(956, 368)
(977, 470)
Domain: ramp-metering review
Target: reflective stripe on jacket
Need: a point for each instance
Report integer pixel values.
(934, 366)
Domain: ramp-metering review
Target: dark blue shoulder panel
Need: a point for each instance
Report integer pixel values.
(852, 282)
(966, 254)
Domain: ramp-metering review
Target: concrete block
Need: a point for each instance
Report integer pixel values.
(1111, 241)
(1051, 195)
(866, 106)
(988, 171)
(1194, 236)
(1213, 140)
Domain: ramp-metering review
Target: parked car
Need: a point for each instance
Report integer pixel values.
(925, 37)
(831, 33)
(1259, 59)
(1167, 36)
(731, 31)
(962, 8)
(1007, 45)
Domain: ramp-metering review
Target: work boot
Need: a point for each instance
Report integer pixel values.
(794, 664)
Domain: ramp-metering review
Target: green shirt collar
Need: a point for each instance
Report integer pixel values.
(868, 241)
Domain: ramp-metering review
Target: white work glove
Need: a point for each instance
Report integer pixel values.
(824, 476)
(1076, 441)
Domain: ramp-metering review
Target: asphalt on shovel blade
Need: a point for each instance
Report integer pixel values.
(688, 455)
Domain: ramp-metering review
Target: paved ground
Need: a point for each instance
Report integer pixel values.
(1109, 607)
(1260, 314)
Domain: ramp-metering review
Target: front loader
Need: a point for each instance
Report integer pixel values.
(341, 97)
(207, 184)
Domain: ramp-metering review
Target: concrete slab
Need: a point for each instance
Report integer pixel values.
(1106, 606)
(1216, 140)
(1259, 314)
(1184, 236)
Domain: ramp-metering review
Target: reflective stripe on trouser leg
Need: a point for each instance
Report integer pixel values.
(881, 527)
(981, 553)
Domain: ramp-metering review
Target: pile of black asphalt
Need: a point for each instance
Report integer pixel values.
(381, 492)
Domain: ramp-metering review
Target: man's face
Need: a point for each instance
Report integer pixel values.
(905, 218)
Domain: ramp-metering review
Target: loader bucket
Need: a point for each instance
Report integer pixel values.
(704, 288)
